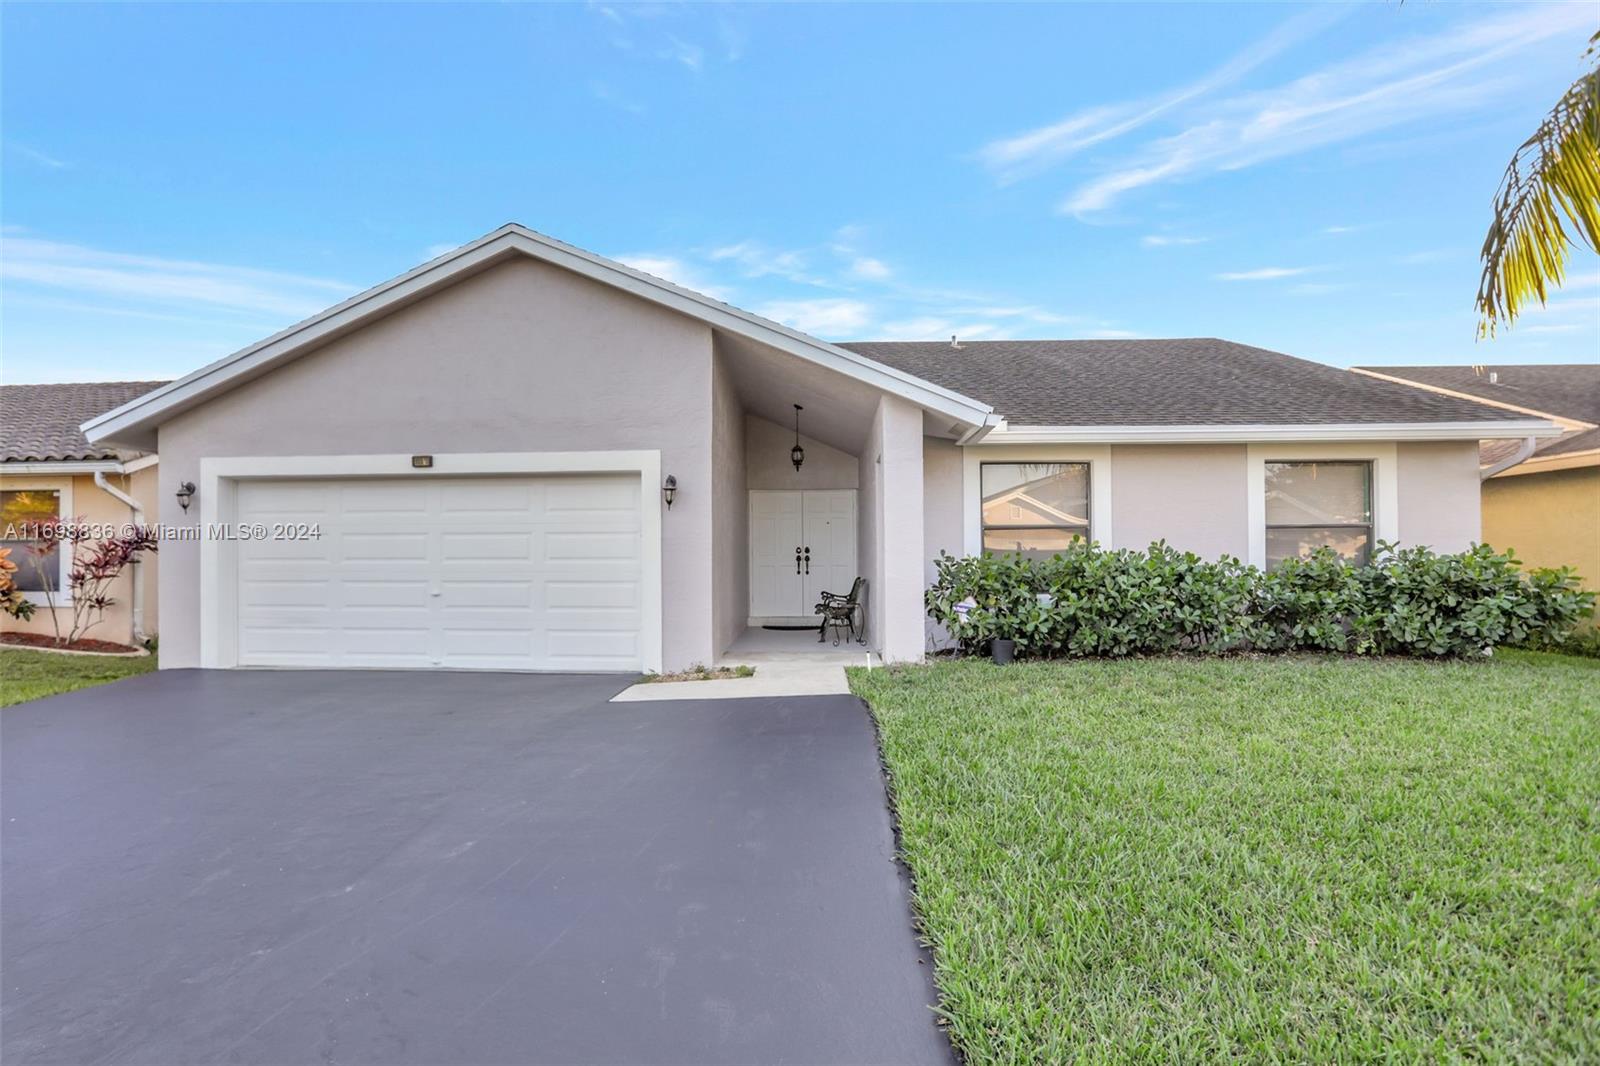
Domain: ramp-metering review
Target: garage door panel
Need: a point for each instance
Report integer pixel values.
(591, 547)
(457, 594)
(505, 573)
(374, 547)
(592, 594)
(472, 547)
(373, 499)
(284, 499)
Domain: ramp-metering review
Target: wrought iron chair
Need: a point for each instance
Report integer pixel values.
(843, 612)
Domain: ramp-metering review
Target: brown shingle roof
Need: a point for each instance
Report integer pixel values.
(1566, 390)
(1561, 390)
(1187, 381)
(39, 423)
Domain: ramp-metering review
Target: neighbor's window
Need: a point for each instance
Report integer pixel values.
(20, 509)
(1316, 504)
(1034, 508)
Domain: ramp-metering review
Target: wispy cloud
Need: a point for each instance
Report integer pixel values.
(1318, 288)
(688, 53)
(1023, 154)
(824, 317)
(1111, 334)
(1432, 255)
(167, 283)
(1156, 240)
(36, 157)
(756, 260)
(675, 270)
(608, 94)
(1334, 231)
(1385, 87)
(1264, 274)
(866, 268)
(935, 328)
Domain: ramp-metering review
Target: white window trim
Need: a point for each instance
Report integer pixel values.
(219, 560)
(1385, 484)
(1098, 456)
(62, 595)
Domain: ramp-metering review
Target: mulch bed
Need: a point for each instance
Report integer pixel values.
(48, 643)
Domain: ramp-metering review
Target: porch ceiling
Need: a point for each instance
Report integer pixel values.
(838, 409)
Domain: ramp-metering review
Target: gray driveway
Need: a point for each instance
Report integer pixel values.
(295, 867)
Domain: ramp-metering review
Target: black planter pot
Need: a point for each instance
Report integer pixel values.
(1002, 651)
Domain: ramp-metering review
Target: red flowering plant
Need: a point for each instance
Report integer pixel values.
(93, 566)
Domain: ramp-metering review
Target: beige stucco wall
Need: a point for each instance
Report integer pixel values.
(730, 590)
(1439, 494)
(942, 528)
(893, 527)
(522, 357)
(768, 466)
(1549, 519)
(98, 508)
(1193, 496)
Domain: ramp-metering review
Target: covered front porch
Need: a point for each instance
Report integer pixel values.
(803, 510)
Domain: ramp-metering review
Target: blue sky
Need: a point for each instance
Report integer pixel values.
(180, 181)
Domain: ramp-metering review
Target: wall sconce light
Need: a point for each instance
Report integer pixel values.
(797, 454)
(185, 494)
(669, 489)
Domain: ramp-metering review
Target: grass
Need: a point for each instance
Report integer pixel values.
(1290, 859)
(30, 675)
(699, 672)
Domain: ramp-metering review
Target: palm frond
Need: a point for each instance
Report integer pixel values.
(1552, 183)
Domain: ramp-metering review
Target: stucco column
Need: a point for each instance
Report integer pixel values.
(901, 634)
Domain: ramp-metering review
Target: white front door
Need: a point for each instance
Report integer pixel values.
(801, 545)
(509, 573)
(829, 544)
(776, 560)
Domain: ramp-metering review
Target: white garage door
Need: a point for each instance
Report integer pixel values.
(524, 573)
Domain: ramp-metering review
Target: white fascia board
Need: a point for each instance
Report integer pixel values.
(1220, 434)
(134, 422)
(63, 467)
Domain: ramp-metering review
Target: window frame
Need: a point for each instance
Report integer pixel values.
(976, 456)
(63, 486)
(1084, 531)
(1383, 486)
(1370, 525)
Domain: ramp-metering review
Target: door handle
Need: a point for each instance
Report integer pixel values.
(797, 559)
(808, 560)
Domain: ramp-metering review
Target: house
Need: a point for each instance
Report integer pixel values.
(1540, 498)
(48, 470)
(521, 455)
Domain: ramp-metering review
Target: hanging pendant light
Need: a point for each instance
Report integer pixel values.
(797, 454)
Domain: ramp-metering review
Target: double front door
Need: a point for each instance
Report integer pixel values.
(802, 543)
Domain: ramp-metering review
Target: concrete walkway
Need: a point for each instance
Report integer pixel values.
(787, 663)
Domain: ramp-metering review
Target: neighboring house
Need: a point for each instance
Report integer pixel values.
(1546, 504)
(521, 455)
(48, 470)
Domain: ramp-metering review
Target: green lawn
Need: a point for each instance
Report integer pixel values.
(28, 675)
(1279, 859)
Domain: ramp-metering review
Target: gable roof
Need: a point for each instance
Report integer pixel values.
(1566, 391)
(1177, 382)
(134, 423)
(39, 423)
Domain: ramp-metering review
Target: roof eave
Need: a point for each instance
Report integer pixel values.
(133, 424)
(1245, 434)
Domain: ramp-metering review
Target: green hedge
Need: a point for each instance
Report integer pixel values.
(1088, 601)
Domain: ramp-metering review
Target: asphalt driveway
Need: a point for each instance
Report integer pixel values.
(295, 867)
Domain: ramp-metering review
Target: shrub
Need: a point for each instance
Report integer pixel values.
(1090, 601)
